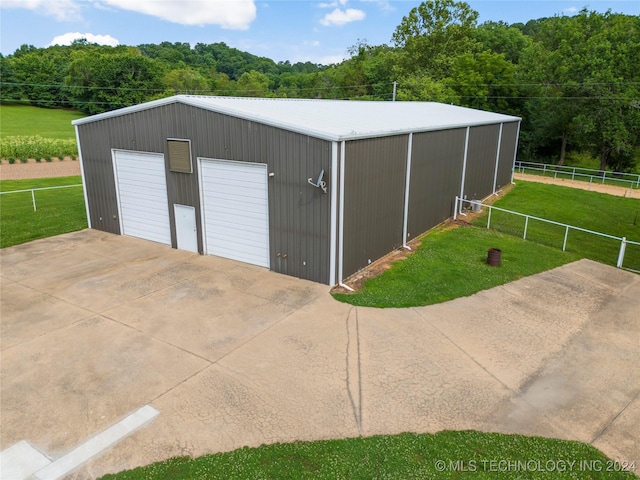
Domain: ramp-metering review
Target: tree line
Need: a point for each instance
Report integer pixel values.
(575, 80)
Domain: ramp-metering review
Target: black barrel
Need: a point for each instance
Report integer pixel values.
(494, 256)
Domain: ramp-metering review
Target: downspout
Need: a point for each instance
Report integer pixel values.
(464, 168)
(406, 193)
(495, 173)
(341, 234)
(333, 280)
(515, 153)
(84, 182)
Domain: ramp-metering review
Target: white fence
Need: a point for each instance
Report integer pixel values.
(476, 206)
(33, 190)
(628, 180)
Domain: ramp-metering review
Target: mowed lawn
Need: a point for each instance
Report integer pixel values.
(57, 211)
(26, 120)
(445, 455)
(599, 212)
(451, 262)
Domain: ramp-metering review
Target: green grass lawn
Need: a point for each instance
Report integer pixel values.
(451, 263)
(58, 211)
(618, 216)
(26, 120)
(445, 455)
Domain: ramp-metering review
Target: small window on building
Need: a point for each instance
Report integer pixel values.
(179, 156)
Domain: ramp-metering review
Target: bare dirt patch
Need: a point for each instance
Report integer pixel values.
(594, 187)
(65, 167)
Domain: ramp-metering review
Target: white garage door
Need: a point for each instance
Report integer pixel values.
(142, 195)
(235, 209)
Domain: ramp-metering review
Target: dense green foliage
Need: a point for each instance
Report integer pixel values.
(444, 455)
(432, 273)
(58, 211)
(37, 147)
(574, 80)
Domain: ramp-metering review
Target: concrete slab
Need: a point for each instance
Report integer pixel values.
(20, 461)
(62, 387)
(28, 313)
(235, 355)
(512, 330)
(431, 384)
(215, 317)
(96, 444)
(603, 357)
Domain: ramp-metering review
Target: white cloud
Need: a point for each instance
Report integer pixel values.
(333, 4)
(329, 59)
(68, 38)
(571, 10)
(385, 5)
(342, 17)
(229, 14)
(318, 59)
(62, 10)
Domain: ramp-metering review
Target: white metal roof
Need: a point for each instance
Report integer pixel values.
(334, 120)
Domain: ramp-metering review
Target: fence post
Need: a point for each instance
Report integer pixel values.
(623, 246)
(573, 175)
(604, 174)
(455, 209)
(33, 198)
(566, 234)
(489, 217)
(544, 170)
(526, 224)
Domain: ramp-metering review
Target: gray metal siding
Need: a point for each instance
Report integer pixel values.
(481, 161)
(436, 171)
(98, 174)
(298, 212)
(374, 184)
(507, 153)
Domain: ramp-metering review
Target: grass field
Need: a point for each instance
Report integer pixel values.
(617, 216)
(445, 455)
(58, 211)
(451, 263)
(25, 120)
(433, 273)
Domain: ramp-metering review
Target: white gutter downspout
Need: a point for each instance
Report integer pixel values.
(464, 167)
(341, 234)
(84, 182)
(495, 173)
(333, 280)
(515, 153)
(406, 193)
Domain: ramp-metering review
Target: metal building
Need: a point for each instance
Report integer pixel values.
(316, 189)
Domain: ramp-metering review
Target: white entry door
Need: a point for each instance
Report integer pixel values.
(186, 229)
(235, 210)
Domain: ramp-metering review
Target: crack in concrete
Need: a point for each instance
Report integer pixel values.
(613, 419)
(356, 405)
(464, 352)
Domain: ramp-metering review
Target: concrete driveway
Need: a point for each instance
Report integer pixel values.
(95, 326)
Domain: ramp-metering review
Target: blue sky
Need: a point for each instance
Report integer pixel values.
(294, 30)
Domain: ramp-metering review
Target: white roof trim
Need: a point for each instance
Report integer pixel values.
(333, 120)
